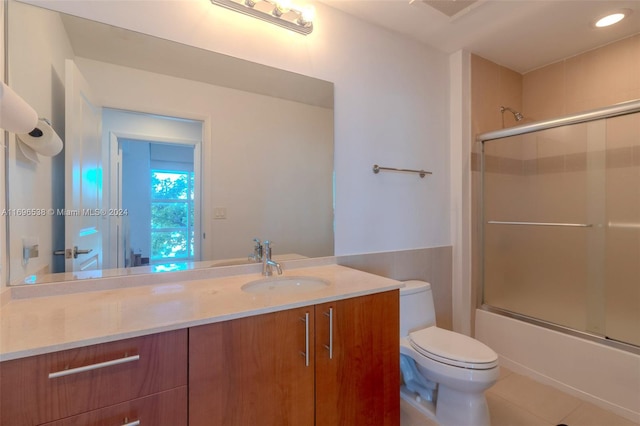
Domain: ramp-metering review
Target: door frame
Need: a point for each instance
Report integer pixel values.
(114, 193)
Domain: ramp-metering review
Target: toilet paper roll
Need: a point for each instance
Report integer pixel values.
(16, 115)
(29, 153)
(43, 139)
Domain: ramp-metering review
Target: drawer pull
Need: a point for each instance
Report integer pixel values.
(133, 423)
(305, 354)
(94, 366)
(330, 346)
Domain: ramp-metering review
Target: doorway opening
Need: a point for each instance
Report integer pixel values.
(158, 196)
(155, 183)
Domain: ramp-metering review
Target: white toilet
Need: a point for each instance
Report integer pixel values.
(445, 374)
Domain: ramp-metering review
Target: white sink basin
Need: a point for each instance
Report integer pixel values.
(285, 285)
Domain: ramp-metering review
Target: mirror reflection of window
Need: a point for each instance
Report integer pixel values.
(158, 181)
(172, 234)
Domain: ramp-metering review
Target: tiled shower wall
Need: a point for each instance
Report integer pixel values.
(597, 78)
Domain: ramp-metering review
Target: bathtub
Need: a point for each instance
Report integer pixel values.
(605, 376)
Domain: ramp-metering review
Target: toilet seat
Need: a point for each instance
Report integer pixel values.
(453, 349)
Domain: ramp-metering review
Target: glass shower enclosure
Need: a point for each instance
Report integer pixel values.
(560, 215)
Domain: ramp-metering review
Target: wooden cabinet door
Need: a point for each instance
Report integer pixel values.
(167, 408)
(253, 371)
(359, 384)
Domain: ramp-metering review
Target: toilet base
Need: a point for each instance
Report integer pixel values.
(452, 408)
(456, 408)
(425, 407)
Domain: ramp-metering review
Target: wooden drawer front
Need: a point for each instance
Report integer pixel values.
(167, 408)
(30, 397)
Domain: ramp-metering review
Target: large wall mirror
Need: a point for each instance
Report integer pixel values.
(174, 157)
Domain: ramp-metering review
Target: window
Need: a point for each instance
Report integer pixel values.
(172, 215)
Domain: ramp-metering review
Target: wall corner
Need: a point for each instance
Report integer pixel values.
(460, 157)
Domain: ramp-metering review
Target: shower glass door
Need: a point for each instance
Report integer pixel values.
(622, 230)
(561, 226)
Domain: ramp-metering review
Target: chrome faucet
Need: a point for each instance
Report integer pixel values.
(256, 256)
(267, 263)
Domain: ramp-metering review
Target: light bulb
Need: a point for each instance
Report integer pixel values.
(308, 14)
(610, 19)
(283, 5)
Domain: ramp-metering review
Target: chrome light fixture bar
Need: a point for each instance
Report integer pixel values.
(278, 13)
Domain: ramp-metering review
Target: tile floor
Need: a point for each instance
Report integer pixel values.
(516, 400)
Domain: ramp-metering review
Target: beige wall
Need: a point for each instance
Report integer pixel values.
(580, 174)
(600, 77)
(493, 86)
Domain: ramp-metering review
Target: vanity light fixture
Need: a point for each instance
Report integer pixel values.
(282, 13)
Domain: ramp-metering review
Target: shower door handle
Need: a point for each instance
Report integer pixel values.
(573, 225)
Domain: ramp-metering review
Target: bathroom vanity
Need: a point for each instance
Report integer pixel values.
(205, 352)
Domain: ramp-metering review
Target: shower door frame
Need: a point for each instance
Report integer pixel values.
(624, 108)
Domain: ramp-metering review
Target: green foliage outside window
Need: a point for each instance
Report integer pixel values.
(172, 215)
(169, 185)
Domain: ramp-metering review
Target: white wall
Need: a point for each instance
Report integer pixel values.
(41, 84)
(136, 197)
(391, 108)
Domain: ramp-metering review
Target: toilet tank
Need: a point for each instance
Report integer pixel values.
(416, 307)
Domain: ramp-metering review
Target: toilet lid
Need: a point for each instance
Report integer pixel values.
(453, 348)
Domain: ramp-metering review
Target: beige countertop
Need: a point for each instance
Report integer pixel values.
(37, 325)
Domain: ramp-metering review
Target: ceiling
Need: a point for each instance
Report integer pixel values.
(520, 34)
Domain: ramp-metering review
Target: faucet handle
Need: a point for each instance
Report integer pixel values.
(257, 251)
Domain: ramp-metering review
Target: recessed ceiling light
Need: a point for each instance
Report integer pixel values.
(612, 18)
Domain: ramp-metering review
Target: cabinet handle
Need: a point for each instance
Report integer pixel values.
(97, 366)
(330, 347)
(133, 423)
(305, 354)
